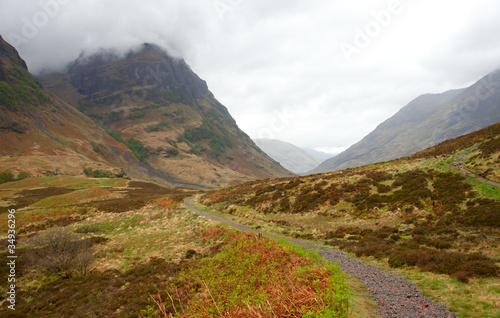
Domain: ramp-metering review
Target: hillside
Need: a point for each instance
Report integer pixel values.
(425, 122)
(432, 216)
(41, 134)
(157, 104)
(320, 154)
(288, 155)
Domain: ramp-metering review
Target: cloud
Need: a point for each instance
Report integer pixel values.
(263, 59)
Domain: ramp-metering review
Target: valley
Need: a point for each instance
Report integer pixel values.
(417, 216)
(128, 190)
(153, 256)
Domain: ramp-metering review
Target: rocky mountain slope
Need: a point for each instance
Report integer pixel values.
(41, 134)
(288, 155)
(164, 112)
(424, 122)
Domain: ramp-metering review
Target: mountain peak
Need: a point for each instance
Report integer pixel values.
(165, 112)
(150, 66)
(10, 57)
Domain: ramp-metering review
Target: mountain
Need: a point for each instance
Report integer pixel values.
(424, 122)
(164, 112)
(41, 134)
(322, 156)
(288, 155)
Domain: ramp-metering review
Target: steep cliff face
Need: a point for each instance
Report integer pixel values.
(41, 134)
(160, 108)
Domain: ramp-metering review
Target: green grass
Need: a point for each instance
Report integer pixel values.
(252, 276)
(485, 190)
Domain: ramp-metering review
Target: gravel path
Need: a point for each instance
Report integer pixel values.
(396, 297)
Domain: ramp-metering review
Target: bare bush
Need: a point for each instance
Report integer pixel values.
(61, 252)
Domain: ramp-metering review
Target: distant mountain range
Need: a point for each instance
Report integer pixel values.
(144, 114)
(291, 157)
(425, 122)
(320, 154)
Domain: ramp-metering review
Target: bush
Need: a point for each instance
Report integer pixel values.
(482, 212)
(445, 262)
(155, 128)
(61, 252)
(7, 96)
(6, 176)
(173, 152)
(137, 148)
(438, 243)
(23, 175)
(96, 173)
(462, 277)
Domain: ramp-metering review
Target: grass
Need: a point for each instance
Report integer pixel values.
(64, 181)
(78, 197)
(485, 190)
(163, 252)
(253, 277)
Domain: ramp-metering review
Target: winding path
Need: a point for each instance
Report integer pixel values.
(458, 164)
(396, 297)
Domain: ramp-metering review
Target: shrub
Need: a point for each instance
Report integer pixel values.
(462, 277)
(480, 268)
(138, 113)
(482, 212)
(61, 252)
(438, 243)
(155, 128)
(6, 176)
(23, 175)
(137, 148)
(96, 173)
(173, 152)
(445, 262)
(8, 96)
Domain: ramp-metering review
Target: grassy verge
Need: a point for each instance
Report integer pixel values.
(259, 277)
(361, 303)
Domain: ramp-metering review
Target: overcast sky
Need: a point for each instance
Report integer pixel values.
(320, 74)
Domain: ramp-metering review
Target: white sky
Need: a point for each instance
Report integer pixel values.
(319, 74)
